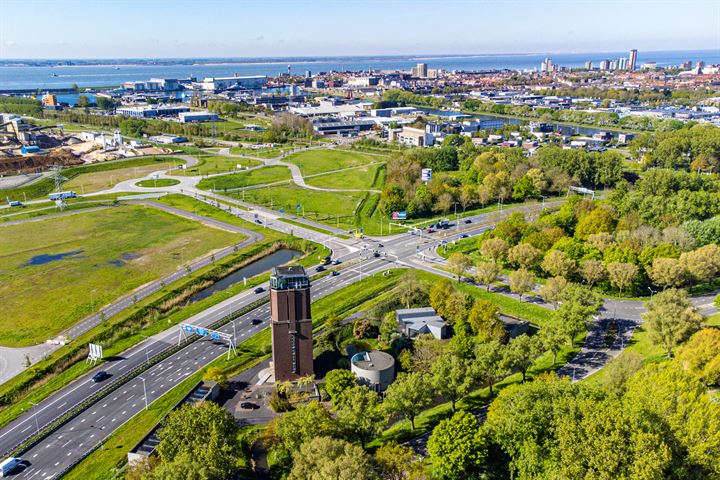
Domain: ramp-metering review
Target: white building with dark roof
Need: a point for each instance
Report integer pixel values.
(419, 321)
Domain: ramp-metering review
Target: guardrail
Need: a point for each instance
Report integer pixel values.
(62, 419)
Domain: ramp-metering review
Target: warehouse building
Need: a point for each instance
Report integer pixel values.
(189, 117)
(152, 111)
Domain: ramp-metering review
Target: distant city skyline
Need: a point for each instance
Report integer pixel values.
(225, 28)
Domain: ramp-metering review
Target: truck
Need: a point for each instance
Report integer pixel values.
(13, 203)
(8, 465)
(62, 195)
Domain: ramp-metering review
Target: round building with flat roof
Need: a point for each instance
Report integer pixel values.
(375, 369)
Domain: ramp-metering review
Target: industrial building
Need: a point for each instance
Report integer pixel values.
(152, 111)
(291, 323)
(375, 369)
(415, 137)
(189, 117)
(218, 84)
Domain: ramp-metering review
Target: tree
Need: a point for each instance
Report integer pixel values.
(439, 293)
(494, 249)
(326, 458)
(360, 413)
(409, 395)
(521, 352)
(396, 462)
(217, 448)
(579, 305)
(409, 288)
(484, 320)
(521, 421)
(667, 272)
(671, 318)
(621, 274)
(689, 416)
(459, 263)
(704, 263)
(700, 356)
(553, 290)
(425, 349)
(524, 255)
(521, 282)
(337, 381)
(552, 337)
(557, 264)
(524, 188)
(388, 327)
(451, 377)
(490, 365)
(487, 273)
(620, 370)
(292, 429)
(82, 101)
(592, 271)
(457, 447)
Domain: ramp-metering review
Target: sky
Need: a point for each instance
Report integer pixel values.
(255, 28)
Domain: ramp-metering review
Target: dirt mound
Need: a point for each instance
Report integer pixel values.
(37, 163)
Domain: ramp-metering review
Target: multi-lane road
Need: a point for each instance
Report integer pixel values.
(83, 433)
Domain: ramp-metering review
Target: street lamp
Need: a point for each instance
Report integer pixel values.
(147, 355)
(652, 292)
(37, 425)
(144, 392)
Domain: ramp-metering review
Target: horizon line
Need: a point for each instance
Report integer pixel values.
(385, 55)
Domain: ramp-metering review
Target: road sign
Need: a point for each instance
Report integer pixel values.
(426, 174)
(201, 331)
(282, 210)
(215, 335)
(189, 328)
(95, 354)
(297, 207)
(399, 215)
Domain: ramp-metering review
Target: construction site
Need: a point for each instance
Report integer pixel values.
(28, 151)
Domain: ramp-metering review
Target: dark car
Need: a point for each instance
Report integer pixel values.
(380, 245)
(259, 290)
(320, 269)
(249, 406)
(464, 235)
(376, 254)
(335, 273)
(100, 376)
(256, 321)
(430, 230)
(467, 220)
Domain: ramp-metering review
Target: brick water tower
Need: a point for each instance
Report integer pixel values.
(291, 323)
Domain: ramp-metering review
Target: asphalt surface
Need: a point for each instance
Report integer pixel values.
(82, 434)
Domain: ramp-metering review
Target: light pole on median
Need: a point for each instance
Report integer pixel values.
(147, 355)
(37, 425)
(144, 392)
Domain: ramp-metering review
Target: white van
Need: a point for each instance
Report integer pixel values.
(8, 465)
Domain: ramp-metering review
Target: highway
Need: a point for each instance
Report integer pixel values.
(78, 437)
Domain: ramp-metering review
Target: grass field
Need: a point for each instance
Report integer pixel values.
(158, 183)
(360, 178)
(345, 210)
(260, 176)
(221, 164)
(86, 259)
(260, 152)
(320, 161)
(46, 185)
(94, 182)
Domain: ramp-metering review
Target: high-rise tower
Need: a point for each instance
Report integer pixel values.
(291, 323)
(631, 65)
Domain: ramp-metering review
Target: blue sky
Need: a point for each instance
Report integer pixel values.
(250, 28)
